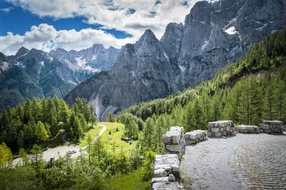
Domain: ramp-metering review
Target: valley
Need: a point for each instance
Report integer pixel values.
(96, 117)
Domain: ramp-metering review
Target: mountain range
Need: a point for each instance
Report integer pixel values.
(214, 34)
(35, 73)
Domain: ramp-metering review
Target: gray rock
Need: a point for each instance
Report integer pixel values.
(174, 141)
(220, 128)
(272, 126)
(195, 136)
(248, 129)
(171, 178)
(214, 35)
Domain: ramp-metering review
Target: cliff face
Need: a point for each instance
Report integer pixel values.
(215, 34)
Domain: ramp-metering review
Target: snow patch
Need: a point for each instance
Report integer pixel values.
(5, 66)
(273, 31)
(204, 45)
(20, 64)
(80, 62)
(231, 30)
(261, 28)
(42, 63)
(72, 82)
(202, 22)
(166, 55)
(89, 68)
(93, 57)
(24, 54)
(211, 1)
(182, 68)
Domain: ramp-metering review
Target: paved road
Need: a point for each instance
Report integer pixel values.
(244, 161)
(62, 150)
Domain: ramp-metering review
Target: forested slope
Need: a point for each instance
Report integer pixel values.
(247, 91)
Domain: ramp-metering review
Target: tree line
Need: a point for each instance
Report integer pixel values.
(247, 92)
(44, 122)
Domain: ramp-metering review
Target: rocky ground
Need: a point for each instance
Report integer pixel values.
(244, 161)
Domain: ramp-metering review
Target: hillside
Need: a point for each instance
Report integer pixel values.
(214, 34)
(247, 91)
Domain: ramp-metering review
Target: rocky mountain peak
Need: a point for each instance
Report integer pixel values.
(22, 51)
(216, 33)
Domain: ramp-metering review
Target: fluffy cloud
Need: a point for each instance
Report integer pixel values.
(46, 37)
(130, 16)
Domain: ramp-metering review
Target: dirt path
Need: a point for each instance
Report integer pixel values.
(254, 161)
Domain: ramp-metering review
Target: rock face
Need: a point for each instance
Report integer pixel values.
(248, 129)
(217, 33)
(34, 73)
(272, 126)
(214, 34)
(220, 128)
(94, 59)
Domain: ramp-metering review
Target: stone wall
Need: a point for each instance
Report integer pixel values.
(248, 129)
(166, 172)
(272, 126)
(174, 141)
(220, 128)
(195, 136)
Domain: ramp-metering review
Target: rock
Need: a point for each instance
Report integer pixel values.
(166, 172)
(195, 136)
(272, 126)
(215, 34)
(169, 163)
(248, 129)
(171, 178)
(164, 184)
(220, 128)
(174, 141)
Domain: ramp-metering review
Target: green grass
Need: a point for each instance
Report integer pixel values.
(115, 138)
(92, 132)
(131, 181)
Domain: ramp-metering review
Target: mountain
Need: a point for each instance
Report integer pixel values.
(215, 34)
(35, 73)
(95, 58)
(247, 91)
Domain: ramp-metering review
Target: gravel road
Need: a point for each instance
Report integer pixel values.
(244, 161)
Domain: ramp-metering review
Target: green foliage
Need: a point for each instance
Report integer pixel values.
(41, 122)
(247, 91)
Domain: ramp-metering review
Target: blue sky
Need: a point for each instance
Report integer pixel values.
(25, 20)
(78, 24)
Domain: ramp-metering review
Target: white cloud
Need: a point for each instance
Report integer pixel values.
(46, 37)
(112, 14)
(7, 10)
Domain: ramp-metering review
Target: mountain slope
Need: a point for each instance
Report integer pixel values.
(247, 91)
(94, 59)
(34, 73)
(215, 34)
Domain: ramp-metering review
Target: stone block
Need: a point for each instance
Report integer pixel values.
(215, 130)
(272, 126)
(248, 129)
(218, 134)
(220, 128)
(174, 141)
